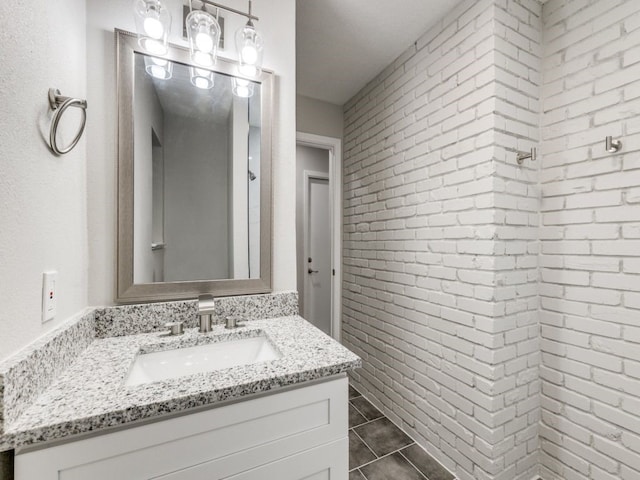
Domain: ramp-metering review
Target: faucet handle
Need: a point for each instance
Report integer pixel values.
(175, 328)
(234, 321)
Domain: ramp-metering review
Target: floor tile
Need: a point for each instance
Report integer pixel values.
(382, 436)
(426, 463)
(353, 393)
(355, 418)
(359, 453)
(366, 408)
(393, 467)
(356, 475)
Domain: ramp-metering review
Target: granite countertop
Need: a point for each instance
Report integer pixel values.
(91, 395)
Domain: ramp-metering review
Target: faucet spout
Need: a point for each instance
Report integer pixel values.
(206, 309)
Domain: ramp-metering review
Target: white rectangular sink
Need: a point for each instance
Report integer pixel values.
(156, 366)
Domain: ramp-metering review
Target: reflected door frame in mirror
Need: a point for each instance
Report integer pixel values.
(127, 291)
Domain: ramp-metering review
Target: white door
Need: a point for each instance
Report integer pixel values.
(317, 302)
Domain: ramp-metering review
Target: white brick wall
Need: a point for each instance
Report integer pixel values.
(497, 307)
(590, 252)
(440, 228)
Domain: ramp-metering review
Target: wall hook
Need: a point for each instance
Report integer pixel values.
(611, 145)
(522, 156)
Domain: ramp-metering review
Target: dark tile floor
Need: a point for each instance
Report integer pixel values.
(378, 450)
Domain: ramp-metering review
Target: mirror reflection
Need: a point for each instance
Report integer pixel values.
(196, 174)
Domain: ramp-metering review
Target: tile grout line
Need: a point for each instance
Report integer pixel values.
(384, 456)
(374, 453)
(414, 466)
(366, 445)
(402, 429)
(364, 416)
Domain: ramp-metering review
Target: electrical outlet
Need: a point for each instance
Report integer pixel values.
(49, 295)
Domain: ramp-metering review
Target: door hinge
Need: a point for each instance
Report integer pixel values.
(333, 272)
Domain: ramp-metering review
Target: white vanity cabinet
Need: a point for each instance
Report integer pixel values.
(296, 434)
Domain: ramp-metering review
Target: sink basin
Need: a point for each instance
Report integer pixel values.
(156, 366)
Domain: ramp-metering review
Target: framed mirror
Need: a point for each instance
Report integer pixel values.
(194, 177)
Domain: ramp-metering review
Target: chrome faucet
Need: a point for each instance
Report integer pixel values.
(206, 309)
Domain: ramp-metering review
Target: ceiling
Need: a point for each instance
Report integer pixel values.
(343, 44)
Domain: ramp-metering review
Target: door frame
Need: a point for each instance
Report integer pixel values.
(334, 148)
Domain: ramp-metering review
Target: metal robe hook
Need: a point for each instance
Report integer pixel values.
(611, 145)
(522, 156)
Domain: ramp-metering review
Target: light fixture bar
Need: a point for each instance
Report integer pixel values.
(249, 15)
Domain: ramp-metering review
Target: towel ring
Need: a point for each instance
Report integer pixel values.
(59, 104)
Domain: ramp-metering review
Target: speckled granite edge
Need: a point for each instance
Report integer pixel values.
(29, 372)
(92, 395)
(151, 317)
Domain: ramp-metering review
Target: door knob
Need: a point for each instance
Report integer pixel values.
(312, 271)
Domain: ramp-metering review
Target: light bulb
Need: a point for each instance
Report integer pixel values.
(202, 58)
(202, 78)
(203, 32)
(159, 61)
(155, 47)
(153, 22)
(157, 71)
(248, 70)
(202, 82)
(250, 47)
(158, 67)
(204, 42)
(242, 88)
(250, 54)
(153, 28)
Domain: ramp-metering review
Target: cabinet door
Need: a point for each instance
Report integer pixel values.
(327, 462)
(229, 439)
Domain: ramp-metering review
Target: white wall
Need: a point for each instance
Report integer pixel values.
(318, 117)
(590, 241)
(43, 215)
(315, 160)
(440, 239)
(196, 210)
(277, 22)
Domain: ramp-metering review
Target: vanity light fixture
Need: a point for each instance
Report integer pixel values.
(249, 44)
(202, 78)
(158, 67)
(153, 22)
(203, 32)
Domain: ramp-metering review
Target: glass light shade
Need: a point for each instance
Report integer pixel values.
(250, 45)
(202, 78)
(153, 22)
(203, 32)
(241, 87)
(158, 67)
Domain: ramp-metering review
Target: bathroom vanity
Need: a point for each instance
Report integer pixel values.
(279, 416)
(297, 434)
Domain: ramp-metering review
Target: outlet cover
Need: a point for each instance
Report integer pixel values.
(49, 295)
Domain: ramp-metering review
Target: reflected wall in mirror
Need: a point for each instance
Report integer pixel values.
(194, 177)
(196, 170)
